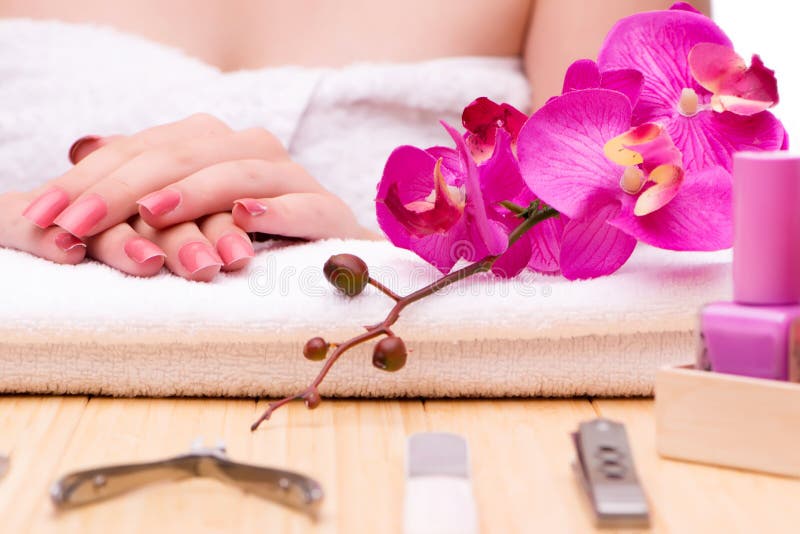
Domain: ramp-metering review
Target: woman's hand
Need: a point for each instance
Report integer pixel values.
(141, 197)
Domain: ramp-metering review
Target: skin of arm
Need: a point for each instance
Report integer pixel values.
(562, 31)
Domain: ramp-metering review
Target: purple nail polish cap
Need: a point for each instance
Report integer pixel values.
(766, 228)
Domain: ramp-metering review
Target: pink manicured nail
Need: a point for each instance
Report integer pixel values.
(80, 146)
(67, 242)
(235, 247)
(196, 256)
(160, 202)
(140, 250)
(83, 215)
(253, 207)
(46, 207)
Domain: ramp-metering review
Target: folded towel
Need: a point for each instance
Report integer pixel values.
(90, 329)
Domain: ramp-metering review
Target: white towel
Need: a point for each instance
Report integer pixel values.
(89, 329)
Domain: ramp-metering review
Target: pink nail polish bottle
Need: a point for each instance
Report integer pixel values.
(752, 336)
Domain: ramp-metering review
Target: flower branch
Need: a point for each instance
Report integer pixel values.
(348, 273)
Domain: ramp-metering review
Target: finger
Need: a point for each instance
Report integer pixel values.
(124, 249)
(113, 199)
(51, 243)
(189, 254)
(305, 215)
(232, 243)
(54, 196)
(213, 189)
(88, 144)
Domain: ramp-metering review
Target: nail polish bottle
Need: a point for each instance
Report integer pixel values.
(753, 335)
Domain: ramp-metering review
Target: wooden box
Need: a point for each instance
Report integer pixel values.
(728, 420)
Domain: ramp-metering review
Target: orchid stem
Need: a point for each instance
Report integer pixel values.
(384, 327)
(385, 290)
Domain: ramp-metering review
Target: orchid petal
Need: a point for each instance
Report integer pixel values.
(514, 259)
(626, 81)
(698, 218)
(483, 118)
(443, 250)
(668, 179)
(657, 44)
(710, 139)
(545, 240)
(452, 167)
(618, 149)
(500, 177)
(736, 88)
(560, 150)
(685, 6)
(581, 74)
(591, 247)
(491, 236)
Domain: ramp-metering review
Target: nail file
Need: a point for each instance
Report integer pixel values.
(439, 497)
(604, 465)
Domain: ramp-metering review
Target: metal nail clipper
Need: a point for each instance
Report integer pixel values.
(285, 487)
(604, 466)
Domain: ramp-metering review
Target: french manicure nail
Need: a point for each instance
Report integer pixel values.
(234, 247)
(67, 242)
(79, 146)
(46, 207)
(196, 256)
(253, 206)
(140, 250)
(79, 218)
(160, 202)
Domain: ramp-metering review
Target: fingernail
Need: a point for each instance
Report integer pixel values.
(83, 215)
(160, 202)
(79, 148)
(140, 250)
(67, 242)
(234, 247)
(46, 207)
(253, 207)
(196, 256)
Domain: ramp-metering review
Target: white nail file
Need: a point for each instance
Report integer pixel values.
(439, 498)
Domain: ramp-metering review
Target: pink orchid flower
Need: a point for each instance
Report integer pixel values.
(539, 248)
(618, 185)
(585, 74)
(492, 131)
(430, 202)
(689, 92)
(482, 118)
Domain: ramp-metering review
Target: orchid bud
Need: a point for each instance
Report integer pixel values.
(312, 398)
(390, 354)
(316, 349)
(347, 273)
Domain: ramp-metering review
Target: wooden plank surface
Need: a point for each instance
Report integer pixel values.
(520, 450)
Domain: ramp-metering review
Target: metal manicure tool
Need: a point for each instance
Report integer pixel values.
(439, 498)
(285, 487)
(604, 466)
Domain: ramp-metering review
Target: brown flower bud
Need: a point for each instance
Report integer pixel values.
(347, 273)
(390, 354)
(316, 349)
(312, 399)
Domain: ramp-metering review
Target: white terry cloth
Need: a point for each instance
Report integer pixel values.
(89, 329)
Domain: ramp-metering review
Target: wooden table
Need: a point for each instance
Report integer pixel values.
(520, 449)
